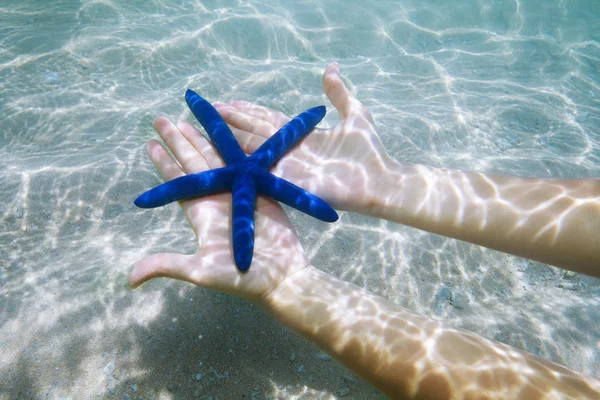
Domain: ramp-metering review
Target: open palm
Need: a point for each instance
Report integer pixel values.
(337, 164)
(277, 253)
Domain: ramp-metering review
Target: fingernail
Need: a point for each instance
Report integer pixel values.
(180, 125)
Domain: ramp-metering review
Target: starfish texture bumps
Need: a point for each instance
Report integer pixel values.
(245, 176)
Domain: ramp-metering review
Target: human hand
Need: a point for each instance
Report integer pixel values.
(337, 164)
(277, 252)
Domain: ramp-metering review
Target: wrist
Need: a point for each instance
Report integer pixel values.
(289, 289)
(397, 188)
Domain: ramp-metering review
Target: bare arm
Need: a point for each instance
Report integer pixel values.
(403, 354)
(409, 356)
(553, 221)
(548, 220)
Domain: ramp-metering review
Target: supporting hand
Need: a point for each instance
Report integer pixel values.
(278, 253)
(548, 220)
(338, 163)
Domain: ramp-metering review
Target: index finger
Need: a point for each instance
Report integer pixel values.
(273, 117)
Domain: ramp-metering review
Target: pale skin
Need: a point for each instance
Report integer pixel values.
(404, 354)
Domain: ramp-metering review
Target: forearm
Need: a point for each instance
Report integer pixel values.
(552, 221)
(410, 356)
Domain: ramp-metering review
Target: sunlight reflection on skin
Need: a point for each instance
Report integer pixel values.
(404, 354)
(37, 110)
(551, 221)
(407, 355)
(274, 244)
(547, 220)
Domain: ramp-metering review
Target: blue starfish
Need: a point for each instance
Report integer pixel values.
(245, 176)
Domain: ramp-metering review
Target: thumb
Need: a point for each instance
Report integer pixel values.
(162, 265)
(340, 96)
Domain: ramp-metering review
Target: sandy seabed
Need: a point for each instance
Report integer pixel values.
(491, 87)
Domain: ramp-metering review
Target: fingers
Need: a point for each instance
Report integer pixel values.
(339, 95)
(181, 148)
(201, 144)
(249, 118)
(167, 265)
(249, 129)
(288, 136)
(249, 142)
(166, 166)
(275, 118)
(336, 90)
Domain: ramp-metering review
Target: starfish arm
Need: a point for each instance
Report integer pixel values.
(187, 186)
(294, 196)
(242, 227)
(285, 138)
(216, 127)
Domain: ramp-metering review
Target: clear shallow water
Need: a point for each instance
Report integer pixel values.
(503, 86)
